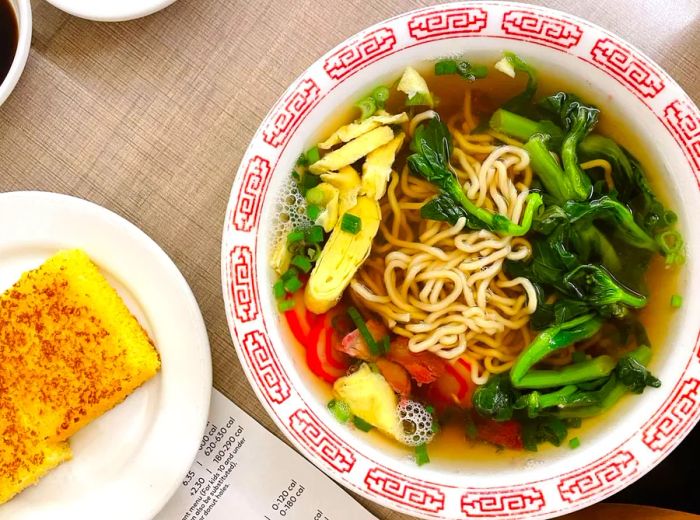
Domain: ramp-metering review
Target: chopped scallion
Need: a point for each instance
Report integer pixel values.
(285, 305)
(295, 236)
(421, 453)
(463, 68)
(301, 161)
(340, 410)
(479, 71)
(289, 274)
(313, 155)
(351, 223)
(278, 289)
(380, 95)
(676, 301)
(308, 181)
(364, 331)
(314, 235)
(292, 285)
(302, 263)
(574, 443)
(361, 424)
(385, 344)
(313, 252)
(313, 211)
(368, 106)
(444, 67)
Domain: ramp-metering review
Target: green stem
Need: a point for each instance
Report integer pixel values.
(612, 394)
(513, 125)
(497, 222)
(599, 243)
(547, 169)
(552, 339)
(588, 370)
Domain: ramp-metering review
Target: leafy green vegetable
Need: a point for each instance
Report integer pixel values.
(432, 147)
(462, 68)
(522, 102)
(596, 286)
(620, 216)
(630, 182)
(522, 128)
(544, 429)
(495, 398)
(634, 375)
(553, 178)
(552, 339)
(613, 390)
(575, 373)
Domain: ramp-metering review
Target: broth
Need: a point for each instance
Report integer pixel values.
(9, 35)
(451, 447)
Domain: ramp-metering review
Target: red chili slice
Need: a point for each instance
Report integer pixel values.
(463, 387)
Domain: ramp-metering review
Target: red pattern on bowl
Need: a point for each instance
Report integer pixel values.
(253, 320)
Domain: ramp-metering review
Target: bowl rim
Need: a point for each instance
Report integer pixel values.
(239, 277)
(23, 12)
(110, 11)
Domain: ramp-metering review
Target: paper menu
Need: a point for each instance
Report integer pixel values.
(244, 472)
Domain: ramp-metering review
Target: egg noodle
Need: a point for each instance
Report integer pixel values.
(443, 286)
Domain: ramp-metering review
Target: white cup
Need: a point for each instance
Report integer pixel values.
(23, 10)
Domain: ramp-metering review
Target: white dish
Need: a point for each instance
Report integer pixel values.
(23, 11)
(129, 462)
(111, 10)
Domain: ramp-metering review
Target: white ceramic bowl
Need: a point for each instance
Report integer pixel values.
(111, 10)
(23, 10)
(615, 451)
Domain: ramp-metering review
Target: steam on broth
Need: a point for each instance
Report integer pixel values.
(469, 261)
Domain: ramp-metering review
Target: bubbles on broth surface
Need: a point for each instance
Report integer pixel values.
(291, 208)
(417, 423)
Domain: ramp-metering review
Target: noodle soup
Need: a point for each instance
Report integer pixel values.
(472, 260)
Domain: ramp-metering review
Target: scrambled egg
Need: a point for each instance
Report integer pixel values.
(343, 253)
(370, 398)
(326, 196)
(353, 130)
(413, 84)
(377, 167)
(353, 151)
(348, 182)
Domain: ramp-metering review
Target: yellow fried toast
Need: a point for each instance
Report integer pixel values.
(69, 351)
(24, 456)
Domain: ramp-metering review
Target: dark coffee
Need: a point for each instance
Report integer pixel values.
(8, 37)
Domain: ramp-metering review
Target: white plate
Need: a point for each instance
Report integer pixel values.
(127, 463)
(111, 10)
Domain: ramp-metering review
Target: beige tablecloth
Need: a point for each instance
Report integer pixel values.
(150, 118)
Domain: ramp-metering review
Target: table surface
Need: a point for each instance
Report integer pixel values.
(150, 118)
